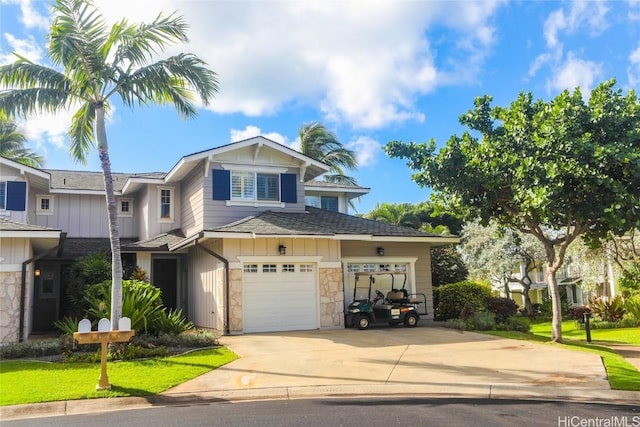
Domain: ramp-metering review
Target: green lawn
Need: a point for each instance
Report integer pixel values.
(571, 331)
(33, 382)
(622, 375)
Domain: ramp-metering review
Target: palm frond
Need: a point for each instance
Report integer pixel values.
(172, 80)
(81, 132)
(137, 43)
(24, 74)
(25, 102)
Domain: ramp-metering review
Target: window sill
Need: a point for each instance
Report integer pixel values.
(256, 204)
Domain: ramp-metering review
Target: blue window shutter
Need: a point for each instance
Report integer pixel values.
(16, 195)
(221, 184)
(288, 188)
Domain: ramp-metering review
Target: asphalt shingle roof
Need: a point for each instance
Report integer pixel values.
(316, 221)
(93, 181)
(161, 241)
(9, 225)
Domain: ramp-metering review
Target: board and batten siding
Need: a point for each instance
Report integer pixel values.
(395, 251)
(328, 249)
(155, 226)
(205, 305)
(217, 213)
(192, 200)
(80, 215)
(13, 252)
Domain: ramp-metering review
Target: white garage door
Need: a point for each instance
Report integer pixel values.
(280, 297)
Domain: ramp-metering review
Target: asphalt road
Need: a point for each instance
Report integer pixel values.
(359, 412)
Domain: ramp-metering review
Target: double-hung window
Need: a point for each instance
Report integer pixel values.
(255, 186)
(165, 204)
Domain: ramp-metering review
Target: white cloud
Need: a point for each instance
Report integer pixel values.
(250, 131)
(580, 13)
(363, 63)
(633, 71)
(367, 149)
(28, 48)
(575, 72)
(29, 16)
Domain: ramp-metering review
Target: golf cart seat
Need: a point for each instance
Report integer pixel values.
(397, 295)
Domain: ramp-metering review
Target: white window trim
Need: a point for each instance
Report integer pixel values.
(171, 207)
(120, 212)
(39, 210)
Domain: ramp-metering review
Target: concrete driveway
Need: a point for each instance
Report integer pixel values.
(398, 360)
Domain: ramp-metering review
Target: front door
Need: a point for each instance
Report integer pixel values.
(46, 297)
(165, 277)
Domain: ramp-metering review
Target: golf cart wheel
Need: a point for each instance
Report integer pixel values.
(363, 322)
(411, 320)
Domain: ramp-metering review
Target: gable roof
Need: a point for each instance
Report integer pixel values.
(322, 223)
(309, 167)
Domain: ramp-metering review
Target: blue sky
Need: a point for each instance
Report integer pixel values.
(371, 71)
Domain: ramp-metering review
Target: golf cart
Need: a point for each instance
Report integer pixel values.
(398, 306)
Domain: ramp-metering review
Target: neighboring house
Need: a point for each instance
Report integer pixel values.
(569, 282)
(242, 237)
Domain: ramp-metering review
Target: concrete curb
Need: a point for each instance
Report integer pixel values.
(463, 391)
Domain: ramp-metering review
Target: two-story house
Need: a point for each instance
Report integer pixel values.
(243, 237)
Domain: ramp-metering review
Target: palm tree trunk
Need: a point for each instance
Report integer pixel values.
(114, 235)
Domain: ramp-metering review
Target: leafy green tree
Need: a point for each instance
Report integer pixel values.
(447, 266)
(558, 170)
(93, 64)
(495, 254)
(12, 144)
(317, 142)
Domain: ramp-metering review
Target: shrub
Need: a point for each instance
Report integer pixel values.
(502, 308)
(632, 305)
(449, 300)
(68, 325)
(35, 348)
(84, 272)
(629, 281)
(515, 324)
(578, 313)
(611, 310)
(483, 321)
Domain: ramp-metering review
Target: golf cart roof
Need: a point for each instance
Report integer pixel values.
(379, 273)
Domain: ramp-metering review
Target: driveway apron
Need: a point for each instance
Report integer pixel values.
(420, 356)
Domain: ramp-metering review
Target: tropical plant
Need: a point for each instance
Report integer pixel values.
(85, 271)
(502, 308)
(142, 303)
(12, 144)
(173, 322)
(608, 310)
(557, 169)
(99, 63)
(447, 266)
(317, 142)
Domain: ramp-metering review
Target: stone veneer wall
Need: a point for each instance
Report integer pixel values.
(331, 298)
(9, 306)
(235, 300)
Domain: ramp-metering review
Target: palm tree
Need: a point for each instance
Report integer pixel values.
(397, 214)
(12, 144)
(317, 142)
(97, 64)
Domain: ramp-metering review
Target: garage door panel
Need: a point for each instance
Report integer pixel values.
(280, 301)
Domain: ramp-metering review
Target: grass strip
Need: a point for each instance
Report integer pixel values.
(34, 381)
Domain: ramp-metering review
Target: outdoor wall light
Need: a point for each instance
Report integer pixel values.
(36, 272)
(282, 249)
(380, 250)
